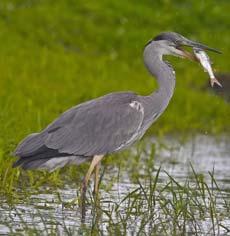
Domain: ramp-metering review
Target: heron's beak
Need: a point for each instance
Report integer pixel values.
(193, 44)
(187, 54)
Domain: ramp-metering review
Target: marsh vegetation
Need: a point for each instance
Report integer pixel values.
(171, 189)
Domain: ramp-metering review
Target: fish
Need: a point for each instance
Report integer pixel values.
(205, 62)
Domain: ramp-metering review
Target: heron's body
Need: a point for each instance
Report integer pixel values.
(98, 127)
(107, 124)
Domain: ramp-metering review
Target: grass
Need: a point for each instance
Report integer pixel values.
(56, 54)
(138, 198)
(152, 207)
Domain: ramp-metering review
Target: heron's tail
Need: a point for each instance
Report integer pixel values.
(34, 154)
(31, 145)
(50, 160)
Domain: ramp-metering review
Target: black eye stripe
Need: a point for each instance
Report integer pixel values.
(159, 37)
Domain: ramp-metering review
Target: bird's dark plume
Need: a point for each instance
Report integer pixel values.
(170, 36)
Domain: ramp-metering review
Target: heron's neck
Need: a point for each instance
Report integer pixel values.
(165, 76)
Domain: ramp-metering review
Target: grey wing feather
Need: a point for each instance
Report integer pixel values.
(30, 145)
(98, 127)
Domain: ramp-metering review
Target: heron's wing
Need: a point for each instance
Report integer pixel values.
(97, 127)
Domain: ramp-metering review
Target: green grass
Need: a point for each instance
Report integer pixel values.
(56, 54)
(153, 207)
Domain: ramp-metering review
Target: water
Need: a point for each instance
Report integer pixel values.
(48, 211)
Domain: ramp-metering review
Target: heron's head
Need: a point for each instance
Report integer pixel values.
(171, 43)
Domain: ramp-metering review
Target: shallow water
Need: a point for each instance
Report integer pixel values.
(47, 211)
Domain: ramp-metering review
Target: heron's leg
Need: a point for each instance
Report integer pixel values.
(95, 161)
(96, 180)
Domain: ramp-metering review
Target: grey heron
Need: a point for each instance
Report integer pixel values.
(108, 124)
